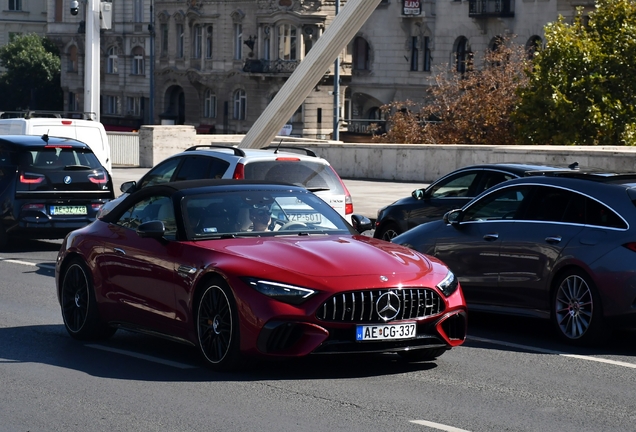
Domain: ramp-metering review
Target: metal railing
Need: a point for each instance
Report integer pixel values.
(124, 148)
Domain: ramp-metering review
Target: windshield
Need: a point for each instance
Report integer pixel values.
(58, 157)
(247, 213)
(311, 175)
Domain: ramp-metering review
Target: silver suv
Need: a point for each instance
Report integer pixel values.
(288, 164)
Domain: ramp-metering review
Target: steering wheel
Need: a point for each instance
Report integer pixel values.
(293, 225)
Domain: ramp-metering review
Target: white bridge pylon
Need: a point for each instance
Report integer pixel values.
(309, 72)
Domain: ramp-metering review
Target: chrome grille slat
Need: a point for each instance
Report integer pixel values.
(360, 306)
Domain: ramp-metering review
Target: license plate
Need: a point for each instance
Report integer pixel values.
(386, 331)
(314, 218)
(68, 210)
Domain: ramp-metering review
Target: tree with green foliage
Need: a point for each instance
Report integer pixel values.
(32, 76)
(582, 88)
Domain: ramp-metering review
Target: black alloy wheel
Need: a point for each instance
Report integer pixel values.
(389, 232)
(576, 309)
(217, 327)
(79, 307)
(420, 355)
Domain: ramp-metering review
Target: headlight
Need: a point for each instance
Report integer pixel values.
(279, 291)
(449, 284)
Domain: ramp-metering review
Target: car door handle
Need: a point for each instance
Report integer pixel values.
(553, 239)
(119, 251)
(491, 237)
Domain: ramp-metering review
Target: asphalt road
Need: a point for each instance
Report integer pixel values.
(510, 375)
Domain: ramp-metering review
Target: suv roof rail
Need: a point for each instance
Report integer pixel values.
(237, 151)
(307, 151)
(592, 175)
(28, 114)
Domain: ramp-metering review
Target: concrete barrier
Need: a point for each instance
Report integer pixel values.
(396, 162)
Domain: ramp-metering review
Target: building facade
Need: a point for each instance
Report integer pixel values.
(218, 63)
(19, 17)
(125, 60)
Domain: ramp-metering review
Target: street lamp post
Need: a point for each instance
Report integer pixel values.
(151, 28)
(91, 65)
(336, 91)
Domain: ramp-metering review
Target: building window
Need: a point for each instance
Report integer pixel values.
(209, 104)
(266, 44)
(415, 54)
(164, 39)
(112, 103)
(427, 53)
(208, 42)
(463, 55)
(15, 5)
(287, 42)
(240, 105)
(111, 64)
(138, 12)
(197, 43)
(138, 61)
(59, 10)
(238, 41)
(360, 54)
(533, 46)
(179, 40)
(73, 102)
(133, 106)
(72, 59)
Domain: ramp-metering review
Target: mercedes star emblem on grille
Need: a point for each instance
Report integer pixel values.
(388, 306)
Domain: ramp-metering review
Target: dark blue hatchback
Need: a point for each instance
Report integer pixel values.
(48, 187)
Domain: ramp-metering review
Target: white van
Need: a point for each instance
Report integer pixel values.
(87, 131)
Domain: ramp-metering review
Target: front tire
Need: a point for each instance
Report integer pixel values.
(218, 327)
(576, 309)
(79, 307)
(389, 232)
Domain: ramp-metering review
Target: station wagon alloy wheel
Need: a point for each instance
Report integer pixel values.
(576, 314)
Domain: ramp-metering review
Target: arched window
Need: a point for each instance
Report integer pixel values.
(72, 59)
(240, 104)
(111, 64)
(360, 54)
(209, 104)
(138, 61)
(287, 42)
(463, 55)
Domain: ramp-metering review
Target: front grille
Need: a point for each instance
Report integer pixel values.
(360, 306)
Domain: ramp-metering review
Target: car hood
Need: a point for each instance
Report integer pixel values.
(332, 256)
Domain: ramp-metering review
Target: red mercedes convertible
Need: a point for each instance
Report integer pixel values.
(245, 269)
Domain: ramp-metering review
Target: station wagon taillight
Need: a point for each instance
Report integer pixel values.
(31, 178)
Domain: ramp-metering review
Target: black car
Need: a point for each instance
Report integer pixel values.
(449, 192)
(48, 187)
(560, 246)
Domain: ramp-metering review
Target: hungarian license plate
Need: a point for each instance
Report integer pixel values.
(68, 210)
(314, 218)
(386, 331)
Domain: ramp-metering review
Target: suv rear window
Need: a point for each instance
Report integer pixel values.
(57, 158)
(313, 176)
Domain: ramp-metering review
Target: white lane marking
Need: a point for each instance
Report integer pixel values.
(547, 351)
(47, 266)
(438, 426)
(143, 357)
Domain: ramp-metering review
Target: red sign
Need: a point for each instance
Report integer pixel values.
(412, 7)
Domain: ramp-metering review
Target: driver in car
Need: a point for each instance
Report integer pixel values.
(261, 217)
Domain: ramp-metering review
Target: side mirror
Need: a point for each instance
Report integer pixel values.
(418, 194)
(361, 223)
(453, 217)
(151, 229)
(128, 187)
